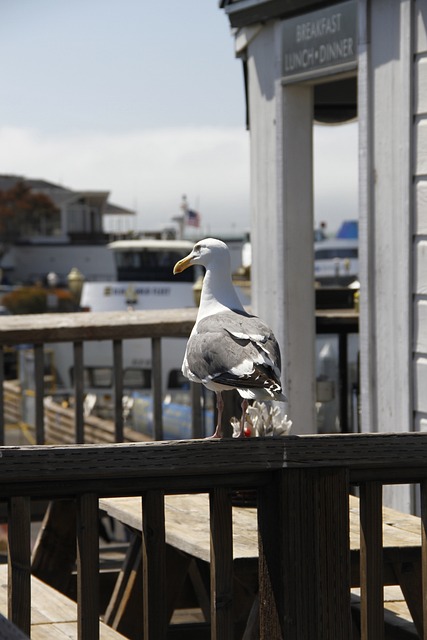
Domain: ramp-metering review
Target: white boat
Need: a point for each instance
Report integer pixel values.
(144, 278)
(336, 261)
(144, 281)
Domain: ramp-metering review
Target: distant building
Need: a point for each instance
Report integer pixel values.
(75, 238)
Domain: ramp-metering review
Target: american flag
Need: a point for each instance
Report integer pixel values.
(192, 218)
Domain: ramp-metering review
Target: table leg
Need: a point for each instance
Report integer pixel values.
(129, 583)
(408, 576)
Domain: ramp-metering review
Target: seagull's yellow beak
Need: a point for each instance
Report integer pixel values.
(183, 264)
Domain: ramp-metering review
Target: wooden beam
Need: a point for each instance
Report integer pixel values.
(64, 467)
(157, 387)
(87, 567)
(154, 566)
(39, 389)
(310, 510)
(118, 388)
(19, 570)
(78, 391)
(221, 565)
(72, 327)
(2, 417)
(54, 554)
(371, 562)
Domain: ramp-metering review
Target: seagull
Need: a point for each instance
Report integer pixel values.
(228, 348)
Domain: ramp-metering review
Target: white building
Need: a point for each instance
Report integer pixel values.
(304, 58)
(73, 238)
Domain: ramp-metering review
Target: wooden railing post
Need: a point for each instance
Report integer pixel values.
(221, 565)
(156, 387)
(154, 565)
(19, 569)
(87, 567)
(304, 571)
(78, 391)
(2, 416)
(118, 388)
(371, 562)
(423, 495)
(39, 390)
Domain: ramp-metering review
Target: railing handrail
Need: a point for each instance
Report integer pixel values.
(174, 323)
(72, 327)
(387, 458)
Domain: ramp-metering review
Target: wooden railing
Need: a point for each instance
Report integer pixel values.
(77, 328)
(303, 484)
(303, 488)
(116, 327)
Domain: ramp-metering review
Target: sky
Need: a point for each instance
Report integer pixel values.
(144, 100)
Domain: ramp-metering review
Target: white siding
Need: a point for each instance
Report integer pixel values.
(420, 326)
(420, 387)
(420, 26)
(420, 86)
(420, 168)
(420, 267)
(420, 218)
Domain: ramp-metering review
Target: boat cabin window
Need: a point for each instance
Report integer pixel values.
(95, 377)
(150, 266)
(336, 252)
(102, 378)
(134, 378)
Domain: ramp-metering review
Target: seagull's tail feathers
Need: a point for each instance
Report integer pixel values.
(262, 395)
(261, 384)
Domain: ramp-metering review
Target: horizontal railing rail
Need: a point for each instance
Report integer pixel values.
(303, 486)
(77, 328)
(117, 327)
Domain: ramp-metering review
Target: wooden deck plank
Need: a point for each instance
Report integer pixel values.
(53, 615)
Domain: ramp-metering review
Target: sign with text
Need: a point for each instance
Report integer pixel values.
(320, 42)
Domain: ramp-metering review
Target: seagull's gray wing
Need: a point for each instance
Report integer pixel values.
(236, 350)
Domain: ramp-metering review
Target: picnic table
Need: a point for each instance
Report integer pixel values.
(188, 540)
(53, 615)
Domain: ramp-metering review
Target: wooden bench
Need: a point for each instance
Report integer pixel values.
(53, 615)
(187, 533)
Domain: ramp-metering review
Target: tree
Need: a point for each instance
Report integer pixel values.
(20, 207)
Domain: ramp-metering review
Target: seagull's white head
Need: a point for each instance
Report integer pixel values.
(205, 252)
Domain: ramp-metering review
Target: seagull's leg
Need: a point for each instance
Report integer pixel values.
(244, 405)
(220, 407)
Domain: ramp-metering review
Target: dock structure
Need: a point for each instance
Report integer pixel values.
(278, 520)
(314, 542)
